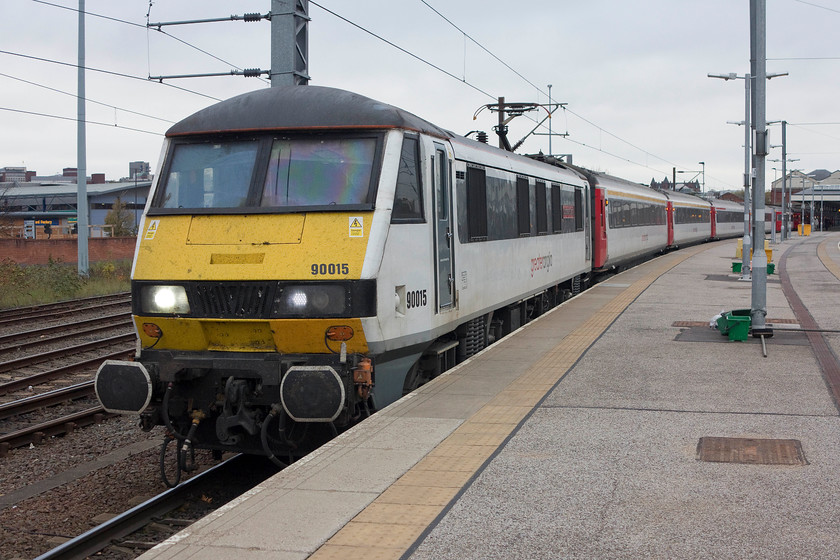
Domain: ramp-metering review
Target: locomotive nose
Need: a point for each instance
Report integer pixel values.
(123, 387)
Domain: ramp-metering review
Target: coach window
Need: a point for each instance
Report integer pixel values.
(578, 209)
(408, 197)
(476, 204)
(568, 200)
(556, 210)
(523, 206)
(542, 216)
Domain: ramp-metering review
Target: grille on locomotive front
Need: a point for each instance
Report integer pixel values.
(240, 301)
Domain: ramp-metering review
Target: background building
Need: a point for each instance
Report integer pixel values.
(139, 170)
(25, 208)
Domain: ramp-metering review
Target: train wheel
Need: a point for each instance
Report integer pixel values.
(413, 379)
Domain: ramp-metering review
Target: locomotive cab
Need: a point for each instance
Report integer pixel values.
(254, 286)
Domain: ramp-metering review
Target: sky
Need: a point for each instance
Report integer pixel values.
(633, 76)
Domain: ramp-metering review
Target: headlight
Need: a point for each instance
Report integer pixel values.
(316, 300)
(164, 299)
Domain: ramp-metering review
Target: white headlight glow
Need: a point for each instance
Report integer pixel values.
(164, 299)
(312, 300)
(298, 299)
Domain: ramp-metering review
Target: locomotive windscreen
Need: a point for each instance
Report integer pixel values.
(289, 173)
(216, 175)
(319, 171)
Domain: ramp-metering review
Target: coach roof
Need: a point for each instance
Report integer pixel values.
(300, 108)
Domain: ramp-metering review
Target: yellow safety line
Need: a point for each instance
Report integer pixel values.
(393, 522)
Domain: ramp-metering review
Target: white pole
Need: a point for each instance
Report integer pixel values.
(81, 154)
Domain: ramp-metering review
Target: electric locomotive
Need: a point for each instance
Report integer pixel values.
(308, 255)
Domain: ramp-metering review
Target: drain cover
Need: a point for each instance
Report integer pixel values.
(751, 451)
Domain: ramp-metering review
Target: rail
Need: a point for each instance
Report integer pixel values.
(58, 426)
(63, 352)
(13, 311)
(102, 536)
(50, 398)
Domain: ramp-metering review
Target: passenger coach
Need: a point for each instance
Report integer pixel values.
(630, 221)
(689, 219)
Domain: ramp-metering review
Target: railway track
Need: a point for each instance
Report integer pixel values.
(63, 309)
(62, 425)
(56, 333)
(85, 364)
(34, 418)
(198, 496)
(44, 400)
(124, 340)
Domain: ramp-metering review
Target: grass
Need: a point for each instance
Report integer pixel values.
(22, 286)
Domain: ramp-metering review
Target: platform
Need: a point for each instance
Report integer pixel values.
(619, 425)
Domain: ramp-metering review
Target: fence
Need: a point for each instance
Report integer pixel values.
(40, 251)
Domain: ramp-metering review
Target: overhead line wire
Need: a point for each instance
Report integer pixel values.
(199, 49)
(87, 99)
(77, 120)
(405, 51)
(485, 49)
(111, 72)
(806, 58)
(818, 6)
(88, 13)
(800, 125)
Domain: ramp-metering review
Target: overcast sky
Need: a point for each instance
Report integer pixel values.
(633, 73)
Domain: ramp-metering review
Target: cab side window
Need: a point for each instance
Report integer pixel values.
(408, 197)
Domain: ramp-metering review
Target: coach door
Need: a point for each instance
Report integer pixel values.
(670, 219)
(443, 228)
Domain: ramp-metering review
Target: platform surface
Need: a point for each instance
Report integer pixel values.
(616, 426)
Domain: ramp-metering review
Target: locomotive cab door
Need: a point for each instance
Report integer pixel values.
(442, 194)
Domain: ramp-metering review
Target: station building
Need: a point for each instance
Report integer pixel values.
(27, 208)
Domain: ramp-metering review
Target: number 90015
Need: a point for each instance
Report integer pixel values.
(323, 269)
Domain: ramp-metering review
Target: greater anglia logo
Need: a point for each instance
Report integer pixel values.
(540, 263)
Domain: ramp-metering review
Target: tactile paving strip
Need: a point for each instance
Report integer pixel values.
(400, 516)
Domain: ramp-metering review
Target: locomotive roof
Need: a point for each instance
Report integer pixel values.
(300, 108)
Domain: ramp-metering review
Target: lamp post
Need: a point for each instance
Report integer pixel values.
(802, 206)
(746, 273)
(785, 190)
(822, 203)
(703, 167)
(757, 93)
(693, 178)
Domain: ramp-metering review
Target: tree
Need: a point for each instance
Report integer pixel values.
(7, 222)
(121, 219)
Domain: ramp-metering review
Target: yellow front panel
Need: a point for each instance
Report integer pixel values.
(254, 247)
(248, 335)
(257, 229)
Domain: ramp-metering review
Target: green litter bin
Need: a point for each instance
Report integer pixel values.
(771, 268)
(736, 267)
(735, 324)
